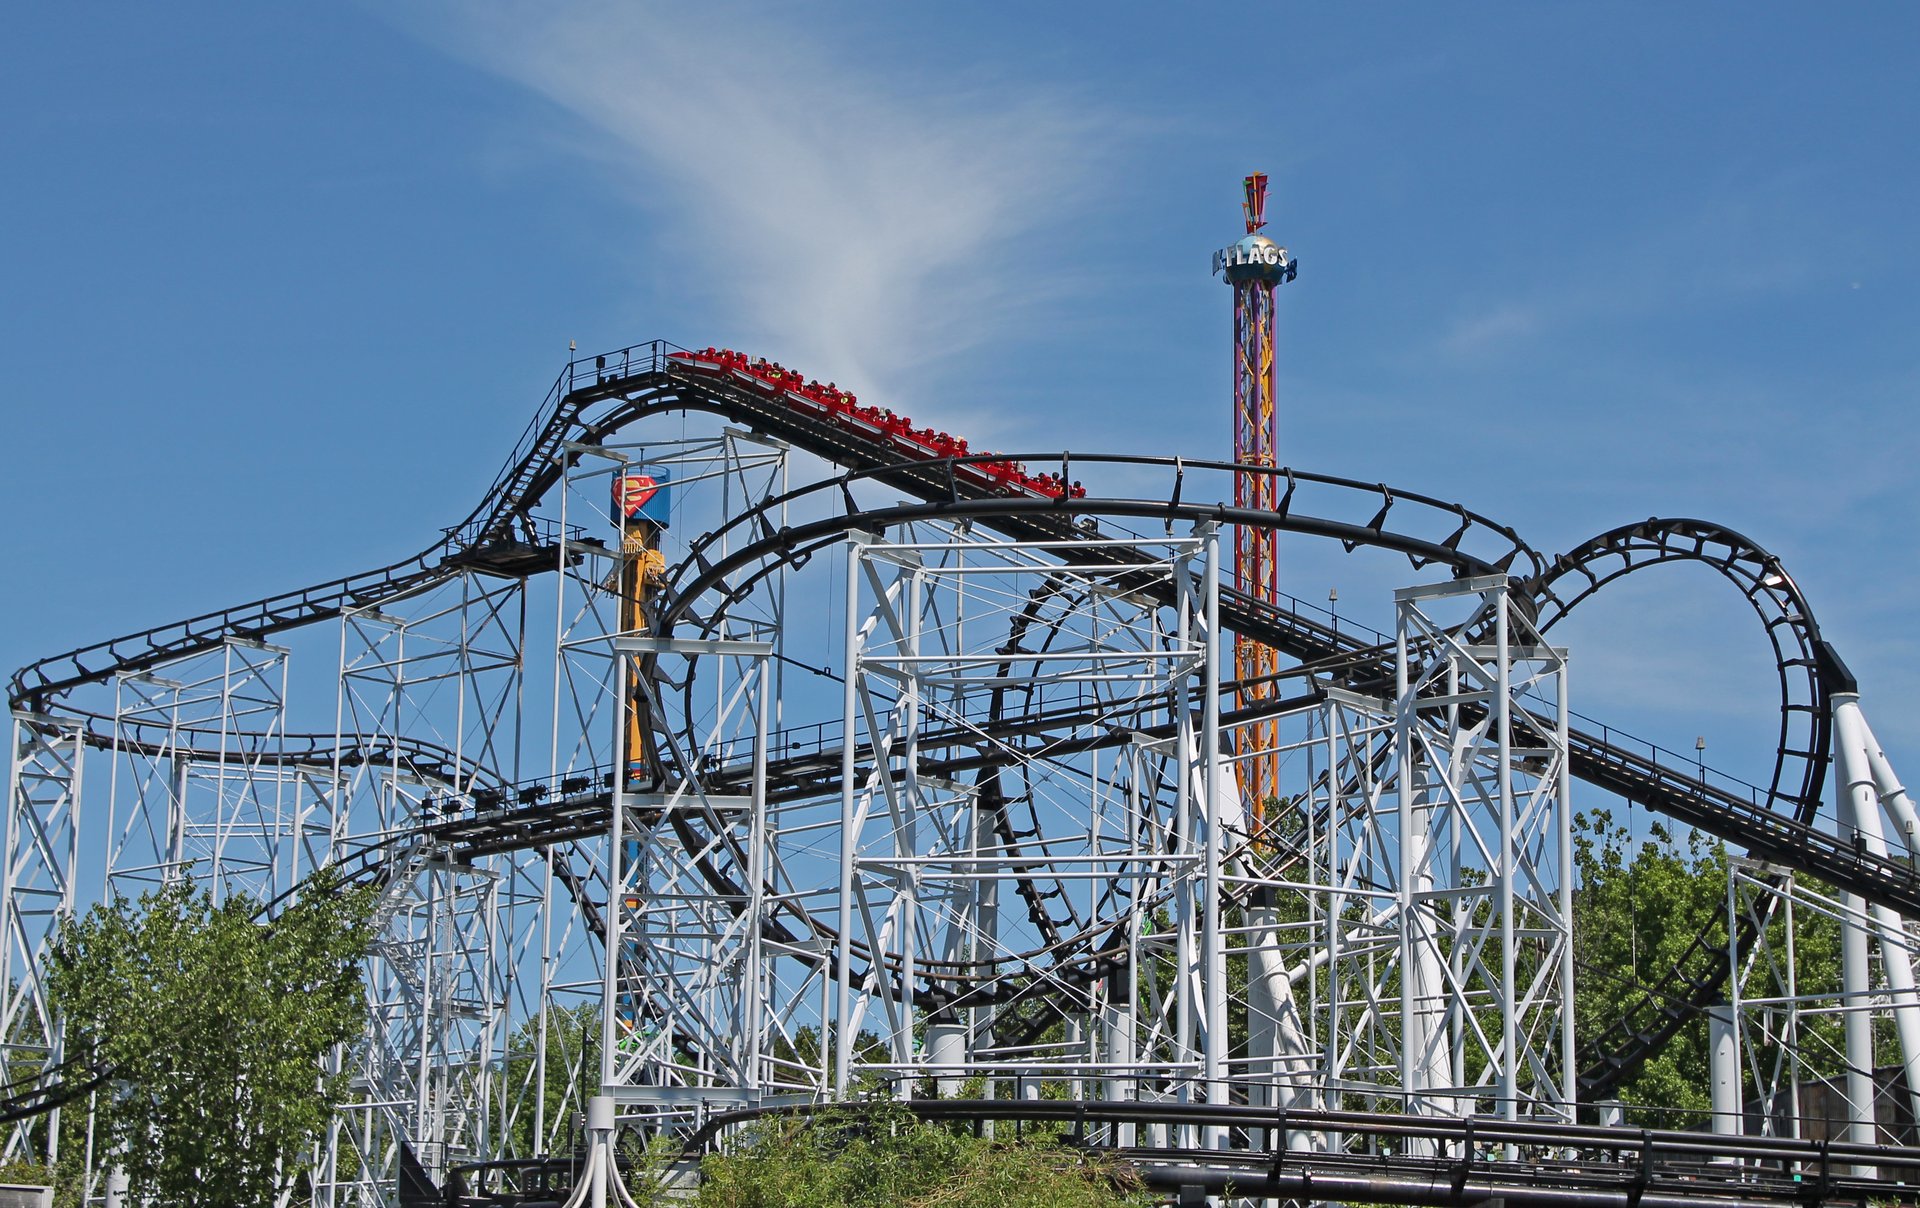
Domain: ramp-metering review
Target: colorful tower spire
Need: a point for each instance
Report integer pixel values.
(1255, 206)
(1256, 266)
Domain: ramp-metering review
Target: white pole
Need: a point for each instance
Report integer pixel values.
(843, 1040)
(1212, 941)
(599, 1146)
(1723, 1068)
(1183, 821)
(1855, 973)
(1893, 795)
(1861, 790)
(1509, 860)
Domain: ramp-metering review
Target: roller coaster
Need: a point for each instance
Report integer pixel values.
(872, 765)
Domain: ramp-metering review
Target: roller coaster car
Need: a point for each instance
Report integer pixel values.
(521, 1183)
(1003, 478)
(697, 363)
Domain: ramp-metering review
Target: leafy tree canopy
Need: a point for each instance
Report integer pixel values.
(1637, 909)
(214, 1025)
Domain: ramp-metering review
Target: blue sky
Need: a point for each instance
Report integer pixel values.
(282, 284)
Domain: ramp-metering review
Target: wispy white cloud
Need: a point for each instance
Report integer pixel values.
(849, 217)
(1473, 334)
(1723, 253)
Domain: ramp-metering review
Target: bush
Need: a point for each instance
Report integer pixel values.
(881, 1155)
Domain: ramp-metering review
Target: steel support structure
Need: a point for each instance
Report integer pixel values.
(1094, 911)
(684, 1004)
(1466, 993)
(1052, 837)
(42, 850)
(443, 665)
(987, 912)
(202, 784)
(1816, 1056)
(1794, 1014)
(672, 893)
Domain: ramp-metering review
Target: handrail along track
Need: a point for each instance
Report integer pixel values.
(590, 402)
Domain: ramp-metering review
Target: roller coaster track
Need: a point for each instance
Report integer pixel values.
(587, 407)
(1423, 1159)
(1773, 824)
(1808, 669)
(590, 402)
(429, 761)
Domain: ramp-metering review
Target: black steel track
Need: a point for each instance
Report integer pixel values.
(1776, 829)
(1809, 671)
(591, 402)
(1774, 834)
(1400, 1159)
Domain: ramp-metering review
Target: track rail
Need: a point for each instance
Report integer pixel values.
(591, 401)
(1771, 828)
(1403, 1159)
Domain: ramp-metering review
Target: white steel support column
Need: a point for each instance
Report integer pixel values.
(1187, 1001)
(1426, 1061)
(842, 1037)
(1213, 854)
(1856, 991)
(1886, 782)
(1563, 832)
(1723, 1069)
(619, 876)
(47, 757)
(1864, 788)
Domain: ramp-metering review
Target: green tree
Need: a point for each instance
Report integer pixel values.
(214, 1025)
(1636, 910)
(572, 1070)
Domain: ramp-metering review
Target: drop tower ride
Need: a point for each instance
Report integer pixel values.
(1255, 267)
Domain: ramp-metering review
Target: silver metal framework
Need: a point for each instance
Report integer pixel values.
(929, 808)
(43, 828)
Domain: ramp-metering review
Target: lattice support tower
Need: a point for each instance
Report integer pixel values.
(1447, 888)
(430, 693)
(1793, 1014)
(684, 721)
(974, 886)
(44, 781)
(204, 784)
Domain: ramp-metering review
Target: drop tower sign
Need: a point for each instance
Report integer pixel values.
(1255, 267)
(1255, 258)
